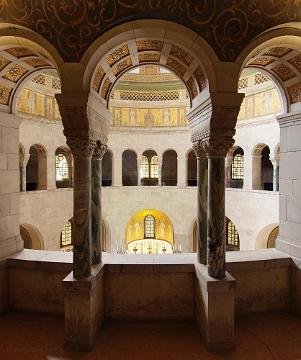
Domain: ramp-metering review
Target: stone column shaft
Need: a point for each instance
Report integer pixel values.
(202, 186)
(216, 217)
(82, 148)
(96, 179)
(228, 171)
(23, 178)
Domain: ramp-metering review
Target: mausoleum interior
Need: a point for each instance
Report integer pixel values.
(150, 180)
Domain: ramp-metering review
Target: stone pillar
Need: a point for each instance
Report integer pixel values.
(82, 148)
(256, 172)
(228, 170)
(23, 173)
(138, 170)
(51, 172)
(160, 162)
(96, 179)
(202, 190)
(182, 170)
(117, 170)
(275, 175)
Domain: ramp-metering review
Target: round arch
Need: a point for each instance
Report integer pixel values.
(149, 42)
(32, 237)
(262, 238)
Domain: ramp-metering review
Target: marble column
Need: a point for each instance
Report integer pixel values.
(138, 170)
(82, 149)
(160, 159)
(202, 190)
(216, 215)
(23, 173)
(96, 179)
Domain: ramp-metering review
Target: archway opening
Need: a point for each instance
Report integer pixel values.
(169, 173)
(149, 171)
(36, 169)
(32, 237)
(191, 169)
(149, 231)
(63, 167)
(129, 168)
(107, 168)
(237, 168)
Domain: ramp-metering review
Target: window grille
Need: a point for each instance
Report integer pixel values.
(66, 235)
(61, 165)
(260, 78)
(149, 227)
(154, 167)
(238, 167)
(232, 235)
(144, 167)
(149, 96)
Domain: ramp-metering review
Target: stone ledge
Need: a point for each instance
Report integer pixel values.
(211, 284)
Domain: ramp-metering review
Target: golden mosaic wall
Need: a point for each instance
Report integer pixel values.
(260, 104)
(38, 104)
(126, 116)
(163, 226)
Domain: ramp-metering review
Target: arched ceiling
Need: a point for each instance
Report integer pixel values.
(16, 64)
(145, 51)
(284, 64)
(228, 26)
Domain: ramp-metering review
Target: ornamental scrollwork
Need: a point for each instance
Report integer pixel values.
(71, 26)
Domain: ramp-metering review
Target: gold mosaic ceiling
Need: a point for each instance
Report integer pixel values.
(284, 64)
(16, 63)
(150, 51)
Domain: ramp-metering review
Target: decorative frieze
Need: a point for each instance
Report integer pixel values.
(15, 72)
(117, 55)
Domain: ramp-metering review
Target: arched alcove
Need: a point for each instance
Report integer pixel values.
(129, 168)
(36, 169)
(169, 174)
(267, 236)
(32, 237)
(107, 163)
(63, 167)
(149, 171)
(149, 231)
(237, 168)
(191, 169)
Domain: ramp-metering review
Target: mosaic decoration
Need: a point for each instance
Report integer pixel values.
(5, 92)
(36, 62)
(117, 55)
(181, 54)
(3, 63)
(294, 93)
(262, 61)
(15, 73)
(124, 64)
(296, 62)
(20, 52)
(192, 87)
(176, 66)
(278, 51)
(284, 72)
(200, 78)
(228, 25)
(105, 88)
(98, 77)
(149, 57)
(149, 45)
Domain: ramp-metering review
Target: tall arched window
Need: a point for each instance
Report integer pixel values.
(232, 236)
(66, 236)
(62, 168)
(149, 227)
(191, 169)
(237, 169)
(149, 171)
(129, 168)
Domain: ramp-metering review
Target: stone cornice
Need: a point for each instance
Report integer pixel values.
(290, 119)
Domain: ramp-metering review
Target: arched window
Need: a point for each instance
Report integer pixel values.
(66, 235)
(154, 167)
(232, 236)
(238, 167)
(149, 227)
(106, 165)
(191, 169)
(62, 168)
(129, 168)
(144, 171)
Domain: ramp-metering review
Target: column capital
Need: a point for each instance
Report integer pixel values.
(81, 145)
(199, 150)
(99, 150)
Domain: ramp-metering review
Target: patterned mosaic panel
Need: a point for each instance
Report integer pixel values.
(262, 61)
(181, 54)
(15, 73)
(37, 62)
(99, 75)
(294, 93)
(149, 57)
(117, 55)
(278, 51)
(284, 72)
(5, 92)
(105, 88)
(176, 66)
(296, 62)
(20, 52)
(200, 78)
(124, 64)
(149, 45)
(192, 87)
(3, 63)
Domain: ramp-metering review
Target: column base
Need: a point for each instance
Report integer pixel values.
(84, 309)
(214, 309)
